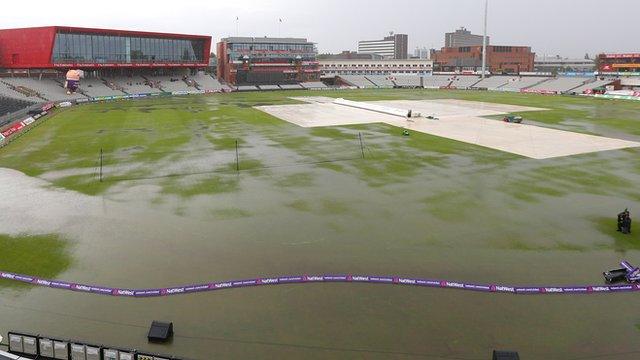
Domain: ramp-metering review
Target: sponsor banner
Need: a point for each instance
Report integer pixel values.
(476, 287)
(64, 104)
(13, 129)
(429, 283)
(527, 290)
(1, 137)
(81, 101)
(92, 289)
(28, 121)
(578, 74)
(123, 292)
(617, 97)
(543, 92)
(147, 293)
(290, 279)
(244, 283)
(48, 106)
(621, 56)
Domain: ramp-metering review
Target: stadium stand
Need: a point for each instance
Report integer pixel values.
(208, 83)
(381, 81)
(132, 85)
(313, 85)
(493, 82)
(247, 88)
(357, 80)
(436, 81)
(45, 89)
(464, 82)
(592, 85)
(171, 83)
(268, 87)
(94, 87)
(407, 81)
(560, 85)
(519, 83)
(7, 90)
(291, 87)
(10, 105)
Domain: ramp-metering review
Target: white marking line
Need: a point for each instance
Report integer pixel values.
(458, 120)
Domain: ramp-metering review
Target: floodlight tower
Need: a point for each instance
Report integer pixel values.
(484, 39)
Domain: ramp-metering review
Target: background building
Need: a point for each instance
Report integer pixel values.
(618, 63)
(267, 61)
(349, 55)
(462, 37)
(558, 64)
(59, 47)
(421, 53)
(500, 59)
(376, 67)
(395, 46)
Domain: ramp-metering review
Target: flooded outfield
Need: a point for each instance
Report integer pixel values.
(172, 210)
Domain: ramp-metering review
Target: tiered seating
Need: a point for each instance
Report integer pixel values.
(494, 82)
(359, 81)
(10, 105)
(436, 81)
(171, 83)
(133, 85)
(519, 83)
(268, 87)
(291, 87)
(560, 85)
(247, 88)
(410, 81)
(49, 89)
(381, 81)
(313, 85)
(7, 91)
(93, 87)
(592, 85)
(464, 81)
(208, 83)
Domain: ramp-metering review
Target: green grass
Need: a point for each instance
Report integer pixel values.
(37, 255)
(621, 242)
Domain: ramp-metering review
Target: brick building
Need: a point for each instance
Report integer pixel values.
(267, 61)
(500, 59)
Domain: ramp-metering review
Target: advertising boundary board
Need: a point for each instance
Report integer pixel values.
(307, 279)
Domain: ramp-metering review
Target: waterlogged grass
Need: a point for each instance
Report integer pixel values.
(38, 255)
(230, 213)
(201, 185)
(304, 179)
(147, 135)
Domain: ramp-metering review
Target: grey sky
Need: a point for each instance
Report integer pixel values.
(565, 27)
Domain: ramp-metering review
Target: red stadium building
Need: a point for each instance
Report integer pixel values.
(267, 61)
(619, 63)
(61, 47)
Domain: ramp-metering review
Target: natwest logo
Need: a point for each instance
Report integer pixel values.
(269, 281)
(123, 292)
(174, 291)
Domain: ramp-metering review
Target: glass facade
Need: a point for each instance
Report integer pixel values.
(306, 48)
(91, 48)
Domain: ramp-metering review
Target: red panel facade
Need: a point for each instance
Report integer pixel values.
(27, 48)
(32, 48)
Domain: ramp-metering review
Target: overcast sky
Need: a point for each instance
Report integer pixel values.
(565, 27)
